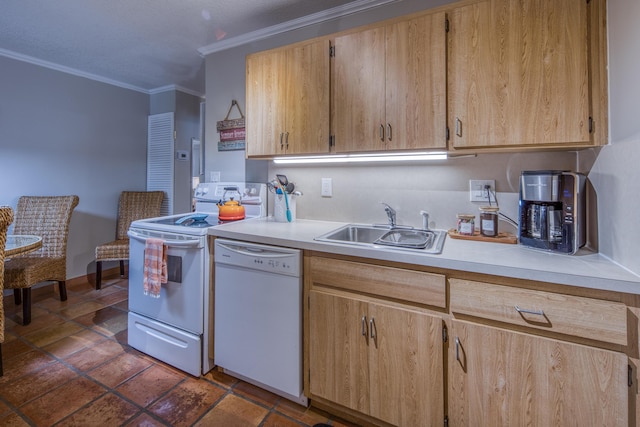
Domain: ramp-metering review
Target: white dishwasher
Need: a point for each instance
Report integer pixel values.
(258, 315)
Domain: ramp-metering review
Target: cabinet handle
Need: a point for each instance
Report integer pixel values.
(281, 143)
(364, 326)
(382, 133)
(522, 310)
(457, 349)
(372, 329)
(458, 127)
(389, 131)
(286, 140)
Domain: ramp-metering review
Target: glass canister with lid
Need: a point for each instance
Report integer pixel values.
(489, 221)
(466, 224)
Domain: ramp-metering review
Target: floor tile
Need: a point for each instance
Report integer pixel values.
(81, 308)
(119, 369)
(108, 321)
(74, 343)
(108, 410)
(257, 394)
(13, 347)
(23, 364)
(187, 402)
(37, 383)
(12, 420)
(51, 334)
(88, 359)
(220, 378)
(278, 420)
(117, 296)
(149, 385)
(58, 403)
(145, 420)
(234, 411)
(39, 319)
(300, 413)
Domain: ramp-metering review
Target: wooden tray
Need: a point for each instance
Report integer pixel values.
(500, 238)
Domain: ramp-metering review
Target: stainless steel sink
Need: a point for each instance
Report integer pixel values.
(355, 233)
(425, 241)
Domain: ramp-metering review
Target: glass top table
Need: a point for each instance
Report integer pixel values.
(18, 244)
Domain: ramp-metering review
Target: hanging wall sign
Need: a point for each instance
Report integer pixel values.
(232, 131)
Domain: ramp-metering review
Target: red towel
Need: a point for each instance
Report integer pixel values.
(155, 266)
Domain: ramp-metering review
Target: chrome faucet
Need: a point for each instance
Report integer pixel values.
(425, 220)
(391, 214)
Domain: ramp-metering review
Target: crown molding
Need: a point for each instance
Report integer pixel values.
(316, 18)
(178, 88)
(68, 70)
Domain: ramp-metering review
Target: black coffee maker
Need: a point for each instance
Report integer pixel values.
(552, 210)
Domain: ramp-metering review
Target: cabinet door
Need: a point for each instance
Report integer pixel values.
(359, 94)
(518, 74)
(406, 366)
(307, 101)
(505, 378)
(265, 123)
(416, 83)
(338, 350)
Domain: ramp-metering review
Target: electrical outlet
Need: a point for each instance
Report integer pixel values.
(326, 190)
(477, 190)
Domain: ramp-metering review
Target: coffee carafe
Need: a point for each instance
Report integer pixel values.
(552, 210)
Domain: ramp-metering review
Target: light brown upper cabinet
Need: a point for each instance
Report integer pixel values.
(527, 74)
(390, 86)
(288, 100)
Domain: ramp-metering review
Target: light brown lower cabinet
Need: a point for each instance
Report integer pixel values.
(382, 361)
(499, 377)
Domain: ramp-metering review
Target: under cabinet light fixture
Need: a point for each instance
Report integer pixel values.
(371, 157)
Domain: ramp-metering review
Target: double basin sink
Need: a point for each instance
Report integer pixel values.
(425, 241)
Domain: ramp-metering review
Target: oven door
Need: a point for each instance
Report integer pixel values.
(181, 301)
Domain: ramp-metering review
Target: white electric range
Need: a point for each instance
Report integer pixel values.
(177, 327)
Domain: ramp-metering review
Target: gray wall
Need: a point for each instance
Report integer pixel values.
(616, 172)
(62, 134)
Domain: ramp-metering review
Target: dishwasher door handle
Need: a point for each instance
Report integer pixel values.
(253, 251)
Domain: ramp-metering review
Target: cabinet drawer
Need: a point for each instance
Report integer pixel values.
(566, 314)
(410, 285)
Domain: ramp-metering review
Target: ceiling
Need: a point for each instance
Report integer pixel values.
(147, 45)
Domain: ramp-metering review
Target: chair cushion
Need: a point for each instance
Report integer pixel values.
(113, 251)
(22, 272)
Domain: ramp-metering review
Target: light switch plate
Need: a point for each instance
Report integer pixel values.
(326, 190)
(477, 191)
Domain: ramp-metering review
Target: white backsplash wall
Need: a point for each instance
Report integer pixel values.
(440, 188)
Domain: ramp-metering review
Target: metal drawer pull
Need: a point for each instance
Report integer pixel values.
(372, 328)
(521, 310)
(457, 349)
(458, 127)
(364, 326)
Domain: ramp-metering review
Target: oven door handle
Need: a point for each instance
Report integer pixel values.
(191, 243)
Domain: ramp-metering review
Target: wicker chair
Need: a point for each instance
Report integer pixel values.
(47, 217)
(6, 218)
(133, 205)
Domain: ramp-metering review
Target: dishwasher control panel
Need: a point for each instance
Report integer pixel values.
(274, 259)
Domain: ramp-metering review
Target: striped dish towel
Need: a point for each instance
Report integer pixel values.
(155, 266)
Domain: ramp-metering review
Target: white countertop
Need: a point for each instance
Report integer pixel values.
(585, 269)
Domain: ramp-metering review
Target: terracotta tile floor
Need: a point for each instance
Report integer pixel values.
(72, 367)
